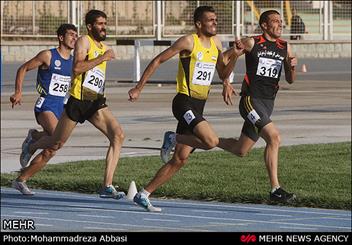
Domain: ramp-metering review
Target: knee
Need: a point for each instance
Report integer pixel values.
(211, 142)
(118, 138)
(48, 153)
(57, 145)
(178, 162)
(241, 153)
(275, 139)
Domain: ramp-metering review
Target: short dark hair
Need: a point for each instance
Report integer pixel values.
(93, 15)
(264, 17)
(61, 31)
(198, 13)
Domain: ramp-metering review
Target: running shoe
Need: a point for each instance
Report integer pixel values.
(25, 154)
(22, 187)
(143, 201)
(282, 196)
(110, 192)
(168, 144)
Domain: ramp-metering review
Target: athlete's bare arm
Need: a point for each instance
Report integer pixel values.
(229, 57)
(41, 59)
(290, 64)
(224, 68)
(183, 44)
(80, 64)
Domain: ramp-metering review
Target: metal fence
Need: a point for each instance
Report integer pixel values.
(323, 20)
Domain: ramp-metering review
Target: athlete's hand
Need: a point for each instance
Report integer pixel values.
(292, 62)
(227, 92)
(133, 94)
(15, 99)
(238, 47)
(109, 55)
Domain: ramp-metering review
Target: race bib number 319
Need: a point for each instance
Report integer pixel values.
(95, 80)
(203, 73)
(268, 67)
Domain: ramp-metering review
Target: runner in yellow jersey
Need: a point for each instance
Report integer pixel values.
(87, 99)
(200, 55)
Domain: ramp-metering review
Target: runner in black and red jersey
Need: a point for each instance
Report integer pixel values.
(265, 55)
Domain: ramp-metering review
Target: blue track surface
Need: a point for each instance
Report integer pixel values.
(64, 211)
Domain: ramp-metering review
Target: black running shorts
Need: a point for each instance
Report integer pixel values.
(256, 113)
(188, 111)
(81, 110)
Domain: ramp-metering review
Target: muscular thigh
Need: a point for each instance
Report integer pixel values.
(48, 121)
(256, 113)
(104, 120)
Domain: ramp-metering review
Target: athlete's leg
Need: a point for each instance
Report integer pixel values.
(50, 144)
(240, 147)
(271, 136)
(168, 170)
(105, 121)
(203, 137)
(61, 133)
(48, 121)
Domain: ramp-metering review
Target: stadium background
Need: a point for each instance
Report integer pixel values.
(29, 26)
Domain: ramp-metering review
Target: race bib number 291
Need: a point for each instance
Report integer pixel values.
(203, 73)
(268, 67)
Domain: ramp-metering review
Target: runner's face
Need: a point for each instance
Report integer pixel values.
(99, 29)
(208, 24)
(70, 39)
(274, 26)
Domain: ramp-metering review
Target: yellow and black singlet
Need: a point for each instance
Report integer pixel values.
(90, 85)
(196, 70)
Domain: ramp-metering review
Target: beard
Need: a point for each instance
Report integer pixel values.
(97, 35)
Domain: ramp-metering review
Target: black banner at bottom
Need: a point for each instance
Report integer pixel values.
(175, 237)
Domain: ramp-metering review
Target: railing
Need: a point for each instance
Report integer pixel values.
(324, 20)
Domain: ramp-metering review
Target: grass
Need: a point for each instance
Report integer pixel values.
(320, 176)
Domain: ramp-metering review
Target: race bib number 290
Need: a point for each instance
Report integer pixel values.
(268, 67)
(95, 80)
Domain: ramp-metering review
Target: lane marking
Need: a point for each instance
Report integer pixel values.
(106, 223)
(209, 211)
(162, 220)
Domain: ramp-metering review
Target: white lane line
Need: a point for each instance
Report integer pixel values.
(276, 215)
(18, 212)
(216, 218)
(102, 228)
(310, 218)
(209, 211)
(347, 214)
(296, 228)
(96, 216)
(82, 206)
(162, 220)
(111, 224)
(47, 225)
(232, 224)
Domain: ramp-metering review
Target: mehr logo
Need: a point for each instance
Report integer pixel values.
(199, 55)
(248, 238)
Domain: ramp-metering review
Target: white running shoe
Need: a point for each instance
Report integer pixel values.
(22, 187)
